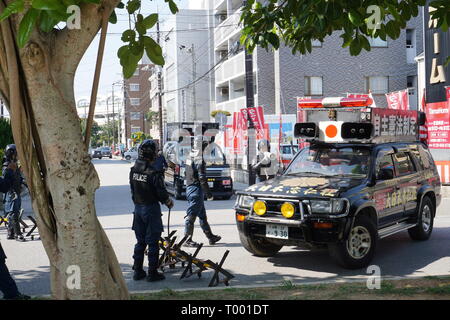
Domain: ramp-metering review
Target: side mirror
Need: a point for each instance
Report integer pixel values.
(386, 174)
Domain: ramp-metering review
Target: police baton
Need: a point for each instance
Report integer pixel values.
(168, 223)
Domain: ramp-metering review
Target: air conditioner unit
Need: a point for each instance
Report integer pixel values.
(222, 17)
(223, 54)
(224, 91)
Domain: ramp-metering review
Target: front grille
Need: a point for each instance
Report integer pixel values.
(215, 173)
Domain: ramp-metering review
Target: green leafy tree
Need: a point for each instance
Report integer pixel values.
(6, 136)
(298, 23)
(41, 46)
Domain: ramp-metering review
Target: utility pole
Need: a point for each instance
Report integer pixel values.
(114, 118)
(194, 77)
(160, 111)
(251, 143)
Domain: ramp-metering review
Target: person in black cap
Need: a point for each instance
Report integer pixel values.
(7, 285)
(148, 190)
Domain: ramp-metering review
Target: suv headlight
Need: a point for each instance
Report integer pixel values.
(332, 206)
(245, 202)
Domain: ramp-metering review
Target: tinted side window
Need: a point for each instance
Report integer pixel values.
(425, 155)
(415, 153)
(383, 161)
(404, 163)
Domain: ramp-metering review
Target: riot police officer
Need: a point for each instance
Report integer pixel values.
(148, 190)
(7, 284)
(264, 162)
(197, 187)
(13, 201)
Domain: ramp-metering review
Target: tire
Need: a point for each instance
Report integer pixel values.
(425, 221)
(110, 157)
(259, 247)
(128, 158)
(351, 253)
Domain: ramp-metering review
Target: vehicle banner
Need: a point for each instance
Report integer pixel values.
(438, 123)
(447, 90)
(395, 123)
(398, 100)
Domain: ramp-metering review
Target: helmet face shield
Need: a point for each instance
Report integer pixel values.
(147, 150)
(11, 152)
(263, 146)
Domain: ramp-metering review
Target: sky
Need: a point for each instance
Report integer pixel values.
(111, 69)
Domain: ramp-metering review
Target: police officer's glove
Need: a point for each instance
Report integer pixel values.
(169, 203)
(12, 165)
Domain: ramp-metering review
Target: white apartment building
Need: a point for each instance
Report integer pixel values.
(103, 108)
(187, 85)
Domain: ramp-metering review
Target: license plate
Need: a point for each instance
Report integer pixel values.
(277, 231)
(211, 184)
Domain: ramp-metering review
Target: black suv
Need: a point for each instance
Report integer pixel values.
(345, 196)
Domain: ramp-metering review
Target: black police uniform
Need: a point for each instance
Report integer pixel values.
(148, 189)
(13, 203)
(7, 284)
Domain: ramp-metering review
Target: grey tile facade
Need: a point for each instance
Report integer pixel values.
(341, 72)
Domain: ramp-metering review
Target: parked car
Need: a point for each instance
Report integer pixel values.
(106, 152)
(96, 153)
(131, 154)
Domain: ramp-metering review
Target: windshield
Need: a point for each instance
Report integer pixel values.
(331, 161)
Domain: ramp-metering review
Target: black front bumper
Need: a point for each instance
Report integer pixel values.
(298, 231)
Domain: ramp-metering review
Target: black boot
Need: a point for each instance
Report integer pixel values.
(154, 275)
(139, 272)
(213, 238)
(191, 243)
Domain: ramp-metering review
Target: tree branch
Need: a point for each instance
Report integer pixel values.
(72, 44)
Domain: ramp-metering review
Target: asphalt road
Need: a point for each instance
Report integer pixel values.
(397, 256)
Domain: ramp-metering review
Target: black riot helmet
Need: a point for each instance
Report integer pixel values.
(263, 144)
(148, 150)
(11, 152)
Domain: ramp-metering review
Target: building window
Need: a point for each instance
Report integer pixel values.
(378, 43)
(136, 73)
(135, 116)
(377, 85)
(134, 86)
(313, 86)
(135, 129)
(135, 101)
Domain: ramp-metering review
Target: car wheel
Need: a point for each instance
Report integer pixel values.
(425, 221)
(358, 249)
(128, 158)
(110, 157)
(259, 247)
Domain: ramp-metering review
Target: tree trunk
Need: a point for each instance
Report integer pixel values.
(61, 177)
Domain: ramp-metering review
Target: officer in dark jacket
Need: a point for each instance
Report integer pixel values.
(148, 190)
(197, 187)
(7, 284)
(13, 201)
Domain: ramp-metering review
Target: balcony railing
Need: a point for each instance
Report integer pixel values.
(227, 29)
(231, 68)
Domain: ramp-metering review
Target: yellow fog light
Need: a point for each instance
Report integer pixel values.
(259, 207)
(287, 210)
